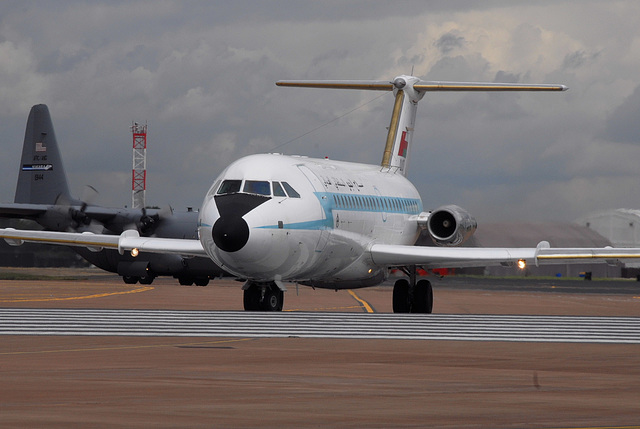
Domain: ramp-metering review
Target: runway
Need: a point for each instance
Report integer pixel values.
(154, 323)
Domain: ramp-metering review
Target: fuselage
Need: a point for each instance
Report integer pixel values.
(275, 217)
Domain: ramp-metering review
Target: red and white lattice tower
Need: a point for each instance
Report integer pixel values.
(139, 175)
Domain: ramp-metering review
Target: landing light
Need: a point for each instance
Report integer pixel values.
(522, 264)
(134, 252)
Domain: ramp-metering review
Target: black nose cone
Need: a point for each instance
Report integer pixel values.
(230, 233)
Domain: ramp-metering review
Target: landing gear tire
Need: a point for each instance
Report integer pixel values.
(422, 301)
(252, 297)
(185, 281)
(130, 280)
(201, 281)
(401, 303)
(273, 299)
(146, 280)
(267, 297)
(416, 299)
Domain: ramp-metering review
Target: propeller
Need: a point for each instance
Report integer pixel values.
(70, 214)
(79, 217)
(147, 223)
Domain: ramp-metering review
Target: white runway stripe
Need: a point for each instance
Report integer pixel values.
(320, 325)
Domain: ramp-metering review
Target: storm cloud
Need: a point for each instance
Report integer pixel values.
(202, 75)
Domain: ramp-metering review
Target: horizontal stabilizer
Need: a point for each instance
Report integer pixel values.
(23, 211)
(408, 91)
(371, 85)
(420, 85)
(481, 86)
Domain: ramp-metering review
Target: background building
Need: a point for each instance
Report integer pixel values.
(621, 227)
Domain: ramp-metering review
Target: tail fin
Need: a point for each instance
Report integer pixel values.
(41, 179)
(408, 91)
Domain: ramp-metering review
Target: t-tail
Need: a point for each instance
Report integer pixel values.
(41, 178)
(408, 91)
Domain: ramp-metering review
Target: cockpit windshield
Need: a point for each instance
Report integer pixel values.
(230, 187)
(258, 187)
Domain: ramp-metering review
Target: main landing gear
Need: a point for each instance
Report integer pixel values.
(144, 280)
(263, 297)
(410, 296)
(188, 281)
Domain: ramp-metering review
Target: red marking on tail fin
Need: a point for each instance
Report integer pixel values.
(404, 144)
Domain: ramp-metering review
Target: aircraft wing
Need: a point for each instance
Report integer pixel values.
(381, 254)
(126, 241)
(455, 257)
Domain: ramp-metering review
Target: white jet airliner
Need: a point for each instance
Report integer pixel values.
(271, 218)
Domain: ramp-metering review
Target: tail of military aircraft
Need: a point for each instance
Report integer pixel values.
(41, 178)
(42, 193)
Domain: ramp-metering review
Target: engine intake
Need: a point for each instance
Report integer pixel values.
(451, 225)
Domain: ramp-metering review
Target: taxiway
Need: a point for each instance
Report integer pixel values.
(199, 362)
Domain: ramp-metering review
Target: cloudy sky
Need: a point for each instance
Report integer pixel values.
(202, 75)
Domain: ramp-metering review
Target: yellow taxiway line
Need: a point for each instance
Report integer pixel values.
(100, 349)
(69, 298)
(364, 303)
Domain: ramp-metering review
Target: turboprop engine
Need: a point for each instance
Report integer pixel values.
(450, 225)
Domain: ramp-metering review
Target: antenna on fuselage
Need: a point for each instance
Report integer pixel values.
(408, 91)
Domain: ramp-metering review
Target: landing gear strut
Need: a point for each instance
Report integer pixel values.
(263, 297)
(410, 296)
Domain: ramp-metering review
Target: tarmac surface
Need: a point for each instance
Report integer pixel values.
(245, 381)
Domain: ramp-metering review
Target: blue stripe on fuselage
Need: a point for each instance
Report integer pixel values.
(356, 203)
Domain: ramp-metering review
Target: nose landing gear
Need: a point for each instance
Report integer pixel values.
(263, 297)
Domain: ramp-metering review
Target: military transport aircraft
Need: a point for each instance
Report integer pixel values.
(42, 195)
(271, 218)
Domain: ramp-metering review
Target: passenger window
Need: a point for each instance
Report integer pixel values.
(277, 190)
(290, 191)
(229, 187)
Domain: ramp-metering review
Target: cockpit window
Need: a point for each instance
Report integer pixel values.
(230, 187)
(277, 190)
(257, 187)
(214, 188)
(290, 191)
